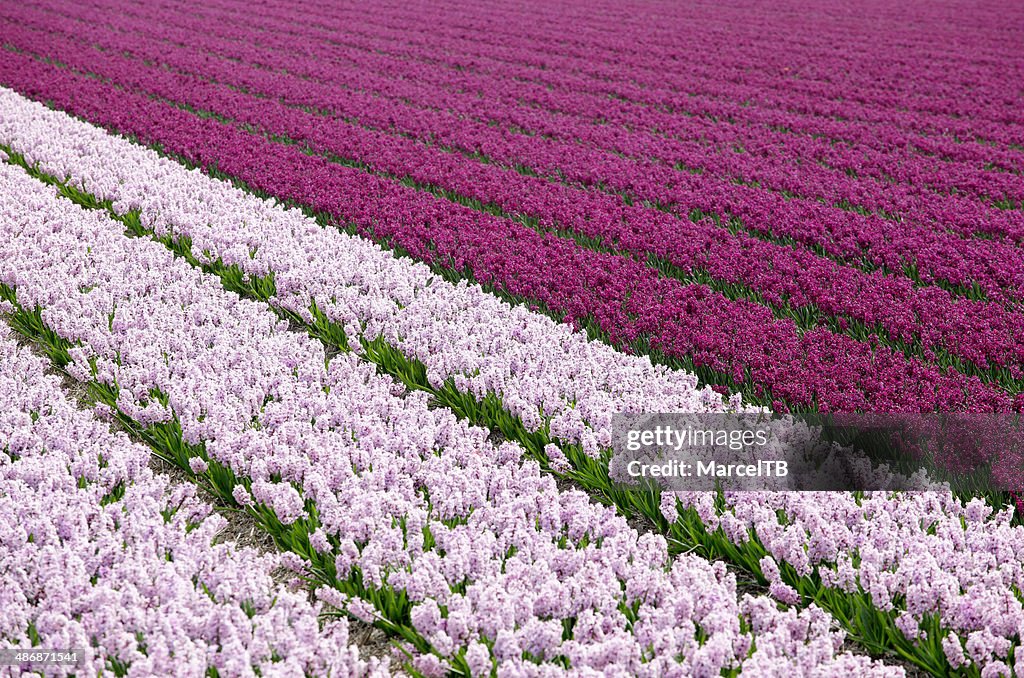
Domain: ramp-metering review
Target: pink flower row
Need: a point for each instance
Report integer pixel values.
(141, 579)
(543, 371)
(916, 553)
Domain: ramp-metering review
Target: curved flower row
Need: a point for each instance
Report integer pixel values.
(621, 297)
(100, 555)
(474, 552)
(959, 563)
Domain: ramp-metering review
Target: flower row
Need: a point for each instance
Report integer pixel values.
(538, 367)
(768, 156)
(101, 556)
(759, 161)
(982, 334)
(703, 88)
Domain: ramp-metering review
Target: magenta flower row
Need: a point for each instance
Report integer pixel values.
(799, 81)
(428, 82)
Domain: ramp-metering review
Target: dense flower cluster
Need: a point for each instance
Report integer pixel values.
(100, 555)
(921, 553)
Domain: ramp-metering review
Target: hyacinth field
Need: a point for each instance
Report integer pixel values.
(314, 318)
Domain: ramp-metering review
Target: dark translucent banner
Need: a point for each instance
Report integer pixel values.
(765, 451)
